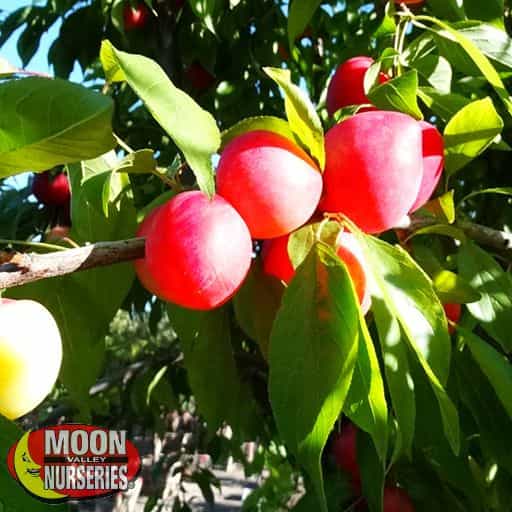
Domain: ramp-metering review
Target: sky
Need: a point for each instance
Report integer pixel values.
(39, 62)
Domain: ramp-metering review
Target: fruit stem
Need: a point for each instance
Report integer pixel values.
(40, 245)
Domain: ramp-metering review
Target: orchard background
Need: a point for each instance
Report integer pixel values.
(162, 90)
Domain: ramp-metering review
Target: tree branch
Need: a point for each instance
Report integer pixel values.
(21, 268)
(501, 241)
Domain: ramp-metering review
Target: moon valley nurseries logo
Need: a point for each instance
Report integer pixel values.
(73, 462)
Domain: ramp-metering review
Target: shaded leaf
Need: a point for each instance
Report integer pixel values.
(212, 372)
(46, 122)
(366, 403)
(256, 305)
(312, 361)
(300, 13)
(398, 377)
(495, 366)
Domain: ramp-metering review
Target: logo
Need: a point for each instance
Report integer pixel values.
(73, 462)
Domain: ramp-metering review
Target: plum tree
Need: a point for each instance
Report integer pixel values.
(347, 84)
(453, 313)
(373, 169)
(135, 18)
(271, 182)
(145, 277)
(277, 263)
(397, 500)
(433, 163)
(51, 190)
(30, 356)
(198, 251)
(344, 449)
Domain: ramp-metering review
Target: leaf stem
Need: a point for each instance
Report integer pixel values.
(122, 143)
(170, 183)
(40, 245)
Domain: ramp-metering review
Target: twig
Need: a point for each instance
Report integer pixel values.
(21, 268)
(483, 235)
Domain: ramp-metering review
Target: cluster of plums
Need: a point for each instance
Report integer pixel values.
(344, 449)
(380, 166)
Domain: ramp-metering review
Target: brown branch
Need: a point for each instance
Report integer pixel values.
(501, 241)
(21, 268)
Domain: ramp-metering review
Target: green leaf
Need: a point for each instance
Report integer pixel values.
(442, 207)
(256, 305)
(398, 94)
(366, 403)
(312, 361)
(494, 365)
(300, 243)
(269, 123)
(494, 309)
(398, 376)
(430, 441)
(472, 50)
(437, 71)
(409, 295)
(300, 13)
(46, 122)
(491, 41)
(372, 467)
(469, 133)
(13, 498)
(138, 162)
(302, 240)
(451, 288)
(491, 11)
(506, 191)
(176, 112)
(206, 11)
(448, 9)
(441, 229)
(221, 396)
(479, 397)
(443, 105)
(301, 114)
